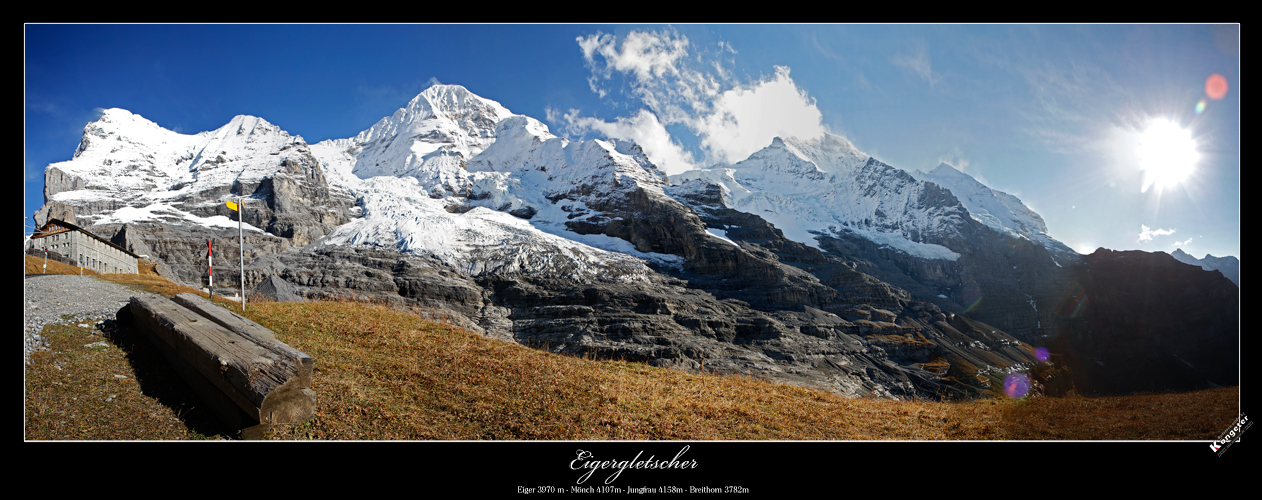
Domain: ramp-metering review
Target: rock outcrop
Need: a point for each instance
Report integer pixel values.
(1140, 321)
(276, 289)
(55, 210)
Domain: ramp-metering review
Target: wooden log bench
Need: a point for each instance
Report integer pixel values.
(247, 377)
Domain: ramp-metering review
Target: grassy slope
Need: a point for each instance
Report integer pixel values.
(387, 374)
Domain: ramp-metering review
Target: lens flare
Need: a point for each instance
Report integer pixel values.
(1072, 305)
(1016, 385)
(1216, 86)
(971, 307)
(1200, 106)
(1042, 354)
(970, 294)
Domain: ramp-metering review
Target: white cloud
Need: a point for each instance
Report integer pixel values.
(1146, 234)
(730, 120)
(746, 119)
(919, 64)
(644, 129)
(657, 63)
(555, 116)
(1182, 243)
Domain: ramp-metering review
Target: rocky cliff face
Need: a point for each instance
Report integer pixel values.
(162, 194)
(1140, 321)
(921, 240)
(998, 210)
(910, 352)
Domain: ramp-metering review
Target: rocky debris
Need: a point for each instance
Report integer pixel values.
(67, 299)
(275, 289)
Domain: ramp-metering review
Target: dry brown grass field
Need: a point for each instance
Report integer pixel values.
(386, 374)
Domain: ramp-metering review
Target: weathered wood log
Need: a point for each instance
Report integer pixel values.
(241, 371)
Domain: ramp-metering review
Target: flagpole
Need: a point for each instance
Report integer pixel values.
(241, 244)
(239, 207)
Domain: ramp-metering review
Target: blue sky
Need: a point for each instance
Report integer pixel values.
(1050, 113)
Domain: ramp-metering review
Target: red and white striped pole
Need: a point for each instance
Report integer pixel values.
(210, 267)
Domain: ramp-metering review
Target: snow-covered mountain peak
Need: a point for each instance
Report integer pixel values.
(830, 152)
(945, 170)
(243, 137)
(124, 152)
(501, 183)
(1187, 258)
(524, 145)
(455, 102)
(523, 131)
(118, 119)
(1229, 266)
(467, 120)
(127, 168)
(118, 128)
(826, 186)
(115, 120)
(825, 154)
(429, 139)
(996, 209)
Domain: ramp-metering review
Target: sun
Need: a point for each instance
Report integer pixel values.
(1167, 154)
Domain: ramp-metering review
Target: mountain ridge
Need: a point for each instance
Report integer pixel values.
(1229, 266)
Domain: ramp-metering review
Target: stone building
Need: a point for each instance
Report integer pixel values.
(88, 250)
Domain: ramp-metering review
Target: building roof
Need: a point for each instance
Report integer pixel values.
(51, 227)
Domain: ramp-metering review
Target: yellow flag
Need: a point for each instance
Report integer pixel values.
(233, 206)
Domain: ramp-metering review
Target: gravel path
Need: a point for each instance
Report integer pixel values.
(59, 299)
